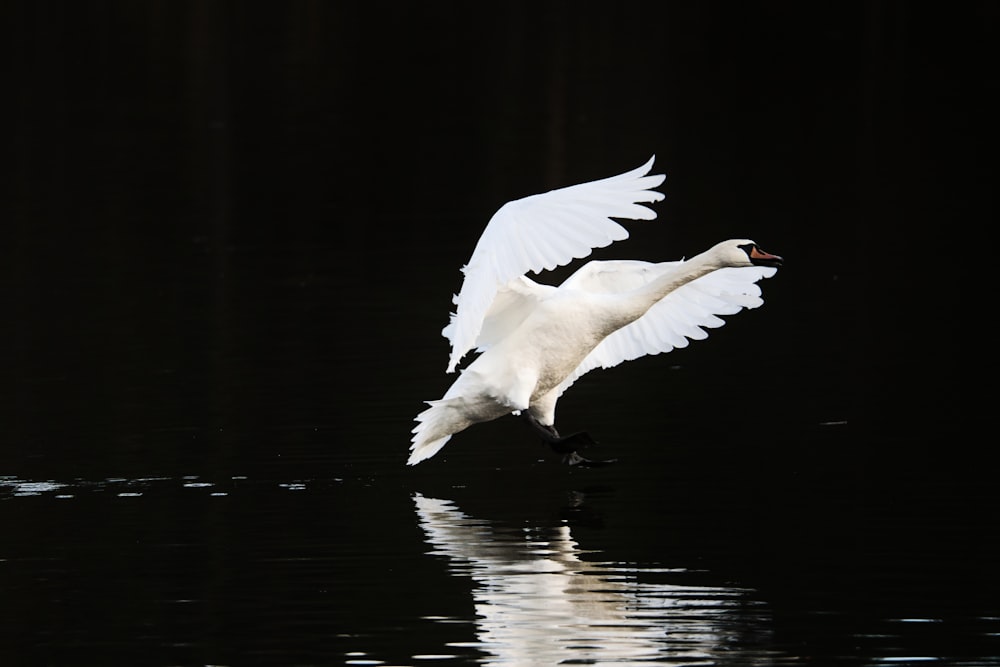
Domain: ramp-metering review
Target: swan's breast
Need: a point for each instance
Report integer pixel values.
(542, 351)
(557, 337)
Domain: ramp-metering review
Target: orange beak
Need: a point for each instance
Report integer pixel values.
(766, 258)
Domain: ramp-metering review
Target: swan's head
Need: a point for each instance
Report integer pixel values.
(744, 252)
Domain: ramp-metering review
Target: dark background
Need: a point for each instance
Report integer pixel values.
(231, 233)
(199, 189)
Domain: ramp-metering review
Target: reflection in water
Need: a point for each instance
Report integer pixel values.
(227, 568)
(538, 603)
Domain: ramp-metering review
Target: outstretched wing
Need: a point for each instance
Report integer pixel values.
(542, 232)
(683, 314)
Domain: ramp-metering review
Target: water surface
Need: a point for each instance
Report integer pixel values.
(367, 570)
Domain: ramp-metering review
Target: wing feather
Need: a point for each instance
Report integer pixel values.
(682, 315)
(541, 232)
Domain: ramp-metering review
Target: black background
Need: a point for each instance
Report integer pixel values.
(195, 184)
(232, 230)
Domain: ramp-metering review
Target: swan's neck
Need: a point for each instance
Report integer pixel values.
(643, 298)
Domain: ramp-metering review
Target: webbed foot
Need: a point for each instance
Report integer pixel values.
(570, 443)
(568, 446)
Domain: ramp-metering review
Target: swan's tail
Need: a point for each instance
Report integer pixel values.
(434, 428)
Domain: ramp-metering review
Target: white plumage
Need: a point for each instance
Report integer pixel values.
(535, 340)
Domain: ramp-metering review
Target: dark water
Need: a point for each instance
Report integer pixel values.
(230, 244)
(527, 564)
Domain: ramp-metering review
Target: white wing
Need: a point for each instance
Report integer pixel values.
(542, 232)
(513, 302)
(679, 316)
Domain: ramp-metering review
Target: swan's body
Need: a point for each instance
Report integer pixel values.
(536, 340)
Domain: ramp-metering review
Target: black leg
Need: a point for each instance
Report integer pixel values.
(549, 433)
(567, 446)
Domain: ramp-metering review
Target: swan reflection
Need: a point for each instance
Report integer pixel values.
(538, 603)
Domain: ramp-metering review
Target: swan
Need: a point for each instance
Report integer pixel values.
(535, 340)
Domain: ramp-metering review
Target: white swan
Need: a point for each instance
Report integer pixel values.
(536, 340)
